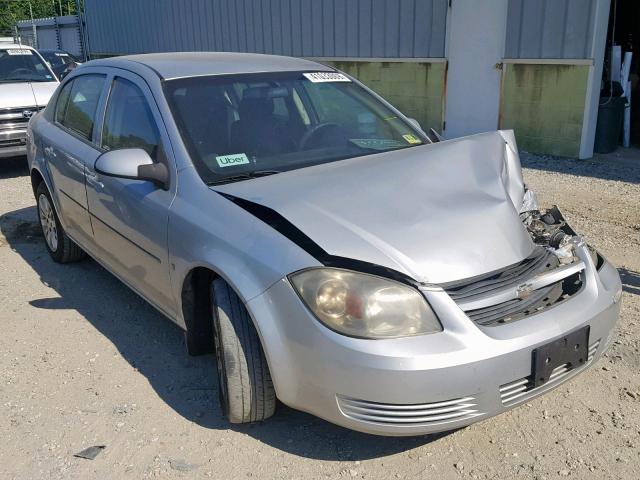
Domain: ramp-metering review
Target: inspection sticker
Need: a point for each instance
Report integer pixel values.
(321, 77)
(411, 139)
(19, 52)
(231, 160)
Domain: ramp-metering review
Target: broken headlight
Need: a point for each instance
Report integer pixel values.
(364, 306)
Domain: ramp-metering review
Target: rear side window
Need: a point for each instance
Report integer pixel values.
(128, 121)
(63, 99)
(80, 110)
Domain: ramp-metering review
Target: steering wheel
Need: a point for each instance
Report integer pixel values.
(20, 71)
(315, 132)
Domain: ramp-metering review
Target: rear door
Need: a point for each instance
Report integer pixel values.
(68, 148)
(130, 217)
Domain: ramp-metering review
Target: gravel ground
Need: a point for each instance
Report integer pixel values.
(84, 361)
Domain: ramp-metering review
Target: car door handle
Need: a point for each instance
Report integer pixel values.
(93, 181)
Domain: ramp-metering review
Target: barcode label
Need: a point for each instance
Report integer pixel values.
(319, 77)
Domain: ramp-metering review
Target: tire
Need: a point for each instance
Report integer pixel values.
(245, 386)
(61, 248)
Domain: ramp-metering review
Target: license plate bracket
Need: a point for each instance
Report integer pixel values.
(572, 349)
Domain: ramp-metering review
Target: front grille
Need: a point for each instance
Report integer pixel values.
(413, 414)
(540, 261)
(18, 142)
(494, 299)
(522, 389)
(14, 117)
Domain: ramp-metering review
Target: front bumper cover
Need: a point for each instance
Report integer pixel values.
(431, 383)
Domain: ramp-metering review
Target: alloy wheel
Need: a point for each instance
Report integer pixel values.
(48, 222)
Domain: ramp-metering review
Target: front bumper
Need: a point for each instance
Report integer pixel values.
(13, 142)
(425, 384)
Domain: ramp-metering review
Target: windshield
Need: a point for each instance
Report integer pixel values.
(58, 58)
(23, 65)
(239, 126)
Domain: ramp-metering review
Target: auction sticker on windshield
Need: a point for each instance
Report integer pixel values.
(231, 160)
(411, 139)
(320, 77)
(19, 52)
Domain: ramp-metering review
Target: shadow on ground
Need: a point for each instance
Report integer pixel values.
(155, 347)
(630, 280)
(14, 167)
(622, 165)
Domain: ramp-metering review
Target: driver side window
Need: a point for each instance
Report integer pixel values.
(129, 122)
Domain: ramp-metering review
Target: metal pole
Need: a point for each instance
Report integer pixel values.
(33, 27)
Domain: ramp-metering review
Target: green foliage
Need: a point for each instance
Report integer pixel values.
(13, 10)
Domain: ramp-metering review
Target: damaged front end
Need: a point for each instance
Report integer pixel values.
(551, 275)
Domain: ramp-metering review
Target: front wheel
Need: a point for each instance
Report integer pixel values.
(61, 248)
(244, 382)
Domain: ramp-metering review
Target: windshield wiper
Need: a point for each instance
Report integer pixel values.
(244, 176)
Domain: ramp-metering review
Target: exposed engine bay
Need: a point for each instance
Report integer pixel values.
(550, 275)
(549, 230)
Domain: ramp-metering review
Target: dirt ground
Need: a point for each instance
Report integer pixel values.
(84, 361)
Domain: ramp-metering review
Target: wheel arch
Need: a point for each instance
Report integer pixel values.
(196, 303)
(36, 179)
(196, 309)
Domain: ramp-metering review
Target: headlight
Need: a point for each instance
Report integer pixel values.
(365, 306)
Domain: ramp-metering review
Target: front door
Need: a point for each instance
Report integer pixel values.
(130, 217)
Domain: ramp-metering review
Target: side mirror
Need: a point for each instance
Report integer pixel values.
(132, 163)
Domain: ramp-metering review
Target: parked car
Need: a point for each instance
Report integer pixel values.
(61, 62)
(312, 236)
(26, 84)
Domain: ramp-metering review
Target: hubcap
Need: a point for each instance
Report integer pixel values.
(48, 222)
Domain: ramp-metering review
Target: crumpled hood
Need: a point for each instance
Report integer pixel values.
(437, 213)
(25, 94)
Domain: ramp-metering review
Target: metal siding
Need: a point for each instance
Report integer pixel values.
(421, 36)
(341, 29)
(438, 28)
(406, 27)
(378, 28)
(54, 33)
(351, 29)
(296, 28)
(319, 28)
(550, 29)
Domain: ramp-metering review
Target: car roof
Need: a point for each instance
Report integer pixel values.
(14, 46)
(192, 64)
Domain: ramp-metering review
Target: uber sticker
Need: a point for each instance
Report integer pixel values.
(320, 77)
(19, 52)
(411, 139)
(231, 160)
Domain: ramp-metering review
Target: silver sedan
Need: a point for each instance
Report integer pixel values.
(332, 254)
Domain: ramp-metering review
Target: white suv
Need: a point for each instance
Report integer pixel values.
(26, 85)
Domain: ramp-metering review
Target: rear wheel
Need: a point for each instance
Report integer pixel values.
(245, 386)
(61, 248)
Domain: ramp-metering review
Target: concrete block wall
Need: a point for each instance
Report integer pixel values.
(414, 88)
(545, 105)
